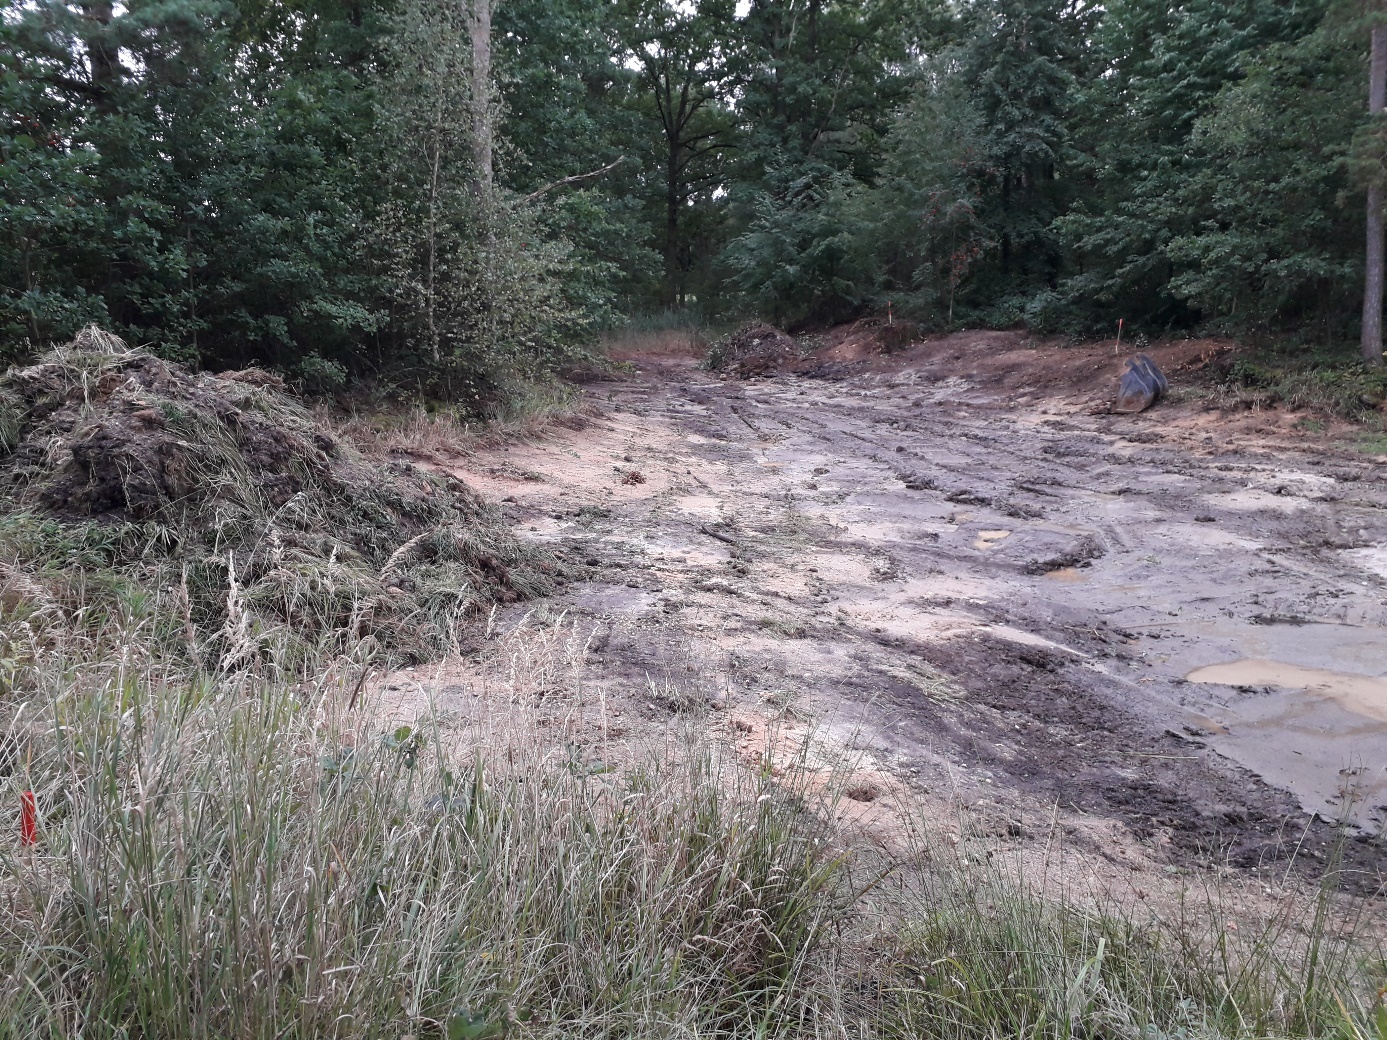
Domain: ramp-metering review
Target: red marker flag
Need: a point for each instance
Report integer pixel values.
(28, 819)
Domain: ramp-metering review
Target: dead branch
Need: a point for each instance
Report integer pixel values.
(574, 179)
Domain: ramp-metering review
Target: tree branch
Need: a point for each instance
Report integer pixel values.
(574, 179)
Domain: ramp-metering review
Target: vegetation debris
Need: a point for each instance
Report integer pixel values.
(755, 349)
(222, 492)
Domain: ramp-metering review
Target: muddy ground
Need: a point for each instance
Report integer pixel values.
(1161, 634)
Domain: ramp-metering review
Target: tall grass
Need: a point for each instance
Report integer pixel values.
(228, 858)
(223, 855)
(983, 953)
(674, 333)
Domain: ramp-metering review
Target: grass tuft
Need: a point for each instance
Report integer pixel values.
(234, 858)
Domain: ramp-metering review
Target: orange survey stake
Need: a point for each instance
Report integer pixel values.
(28, 819)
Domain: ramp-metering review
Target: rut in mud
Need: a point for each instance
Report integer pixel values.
(999, 599)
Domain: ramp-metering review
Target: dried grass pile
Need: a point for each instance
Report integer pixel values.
(221, 496)
(756, 349)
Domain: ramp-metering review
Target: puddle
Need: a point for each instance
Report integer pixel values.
(987, 539)
(1364, 695)
(1071, 574)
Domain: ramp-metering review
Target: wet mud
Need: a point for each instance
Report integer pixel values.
(1171, 623)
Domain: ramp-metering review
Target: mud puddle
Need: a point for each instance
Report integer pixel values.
(1316, 732)
(1361, 694)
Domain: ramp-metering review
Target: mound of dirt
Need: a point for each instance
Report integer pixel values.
(867, 338)
(756, 349)
(224, 494)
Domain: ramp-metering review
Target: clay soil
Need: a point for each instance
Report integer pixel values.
(951, 560)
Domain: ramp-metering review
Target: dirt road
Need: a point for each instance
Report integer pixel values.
(1172, 623)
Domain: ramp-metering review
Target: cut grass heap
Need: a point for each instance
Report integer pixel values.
(220, 497)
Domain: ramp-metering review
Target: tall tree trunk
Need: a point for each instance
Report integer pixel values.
(672, 228)
(482, 114)
(1373, 268)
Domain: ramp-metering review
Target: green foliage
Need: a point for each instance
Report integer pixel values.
(1331, 381)
(924, 217)
(1270, 183)
(1021, 66)
(1063, 164)
(804, 259)
(1149, 140)
(476, 289)
(308, 232)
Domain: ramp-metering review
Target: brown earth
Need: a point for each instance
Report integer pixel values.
(949, 560)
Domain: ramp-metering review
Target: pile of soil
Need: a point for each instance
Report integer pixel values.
(224, 494)
(756, 349)
(867, 338)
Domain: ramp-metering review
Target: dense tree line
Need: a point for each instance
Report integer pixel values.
(449, 196)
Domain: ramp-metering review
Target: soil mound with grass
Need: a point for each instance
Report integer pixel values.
(756, 349)
(222, 497)
(868, 338)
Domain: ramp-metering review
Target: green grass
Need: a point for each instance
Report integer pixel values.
(983, 956)
(221, 857)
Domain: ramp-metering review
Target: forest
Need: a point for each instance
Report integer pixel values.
(447, 198)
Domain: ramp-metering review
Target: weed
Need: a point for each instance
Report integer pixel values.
(1325, 381)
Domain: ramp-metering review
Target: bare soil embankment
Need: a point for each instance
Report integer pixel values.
(950, 559)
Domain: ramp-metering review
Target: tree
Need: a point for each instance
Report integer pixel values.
(1371, 342)
(823, 79)
(925, 215)
(483, 116)
(688, 64)
(1022, 65)
(803, 259)
(477, 295)
(1155, 70)
(1272, 247)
